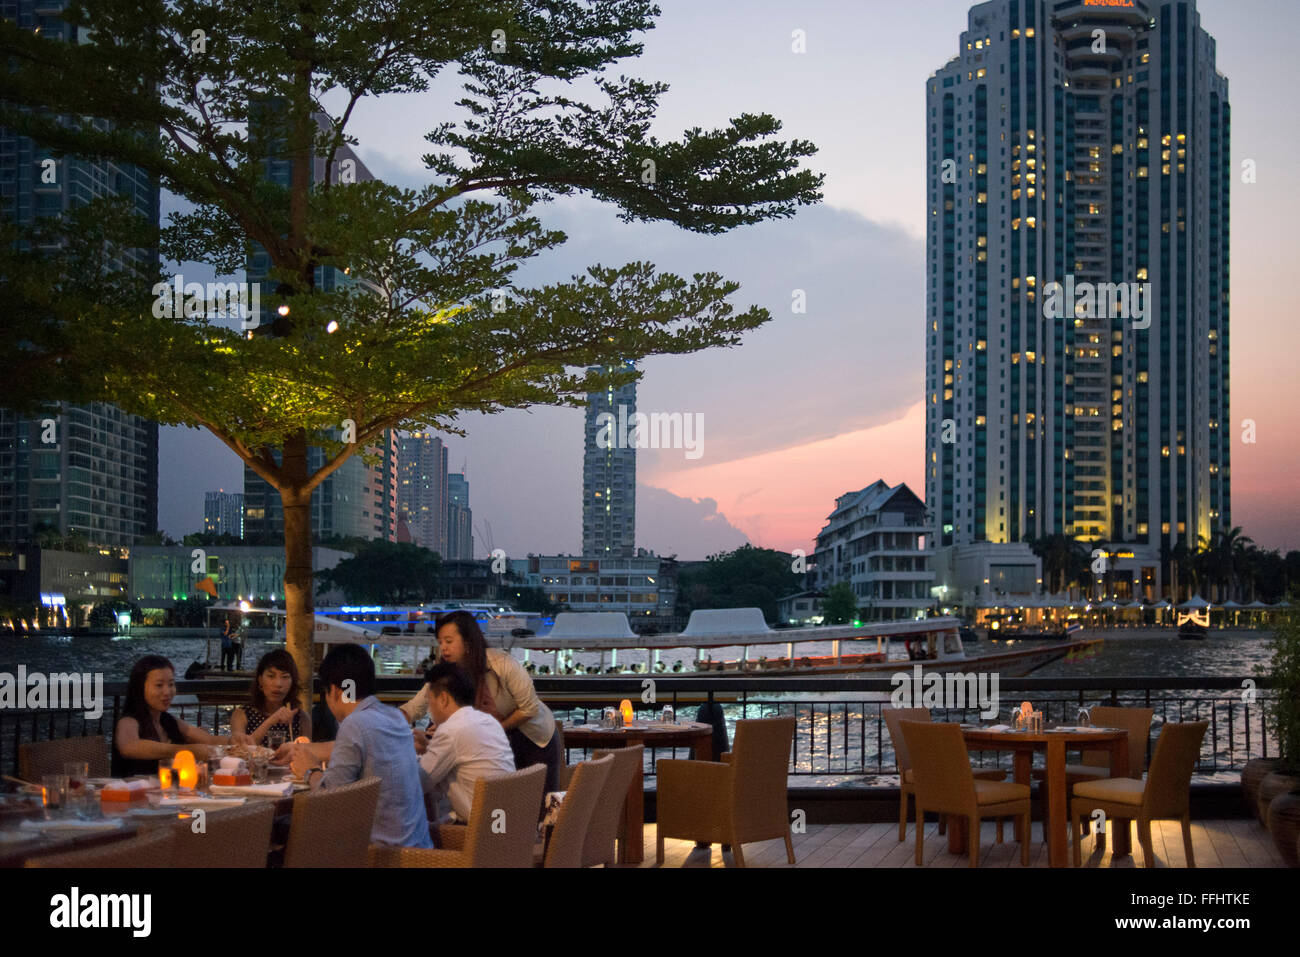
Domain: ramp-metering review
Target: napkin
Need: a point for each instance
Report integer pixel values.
(283, 789)
(195, 801)
(117, 784)
(1000, 727)
(234, 765)
(72, 824)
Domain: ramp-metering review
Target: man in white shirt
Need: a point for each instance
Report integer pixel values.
(466, 745)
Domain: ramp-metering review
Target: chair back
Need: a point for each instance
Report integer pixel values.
(894, 717)
(331, 826)
(941, 770)
(48, 757)
(502, 825)
(231, 837)
(1137, 722)
(569, 836)
(150, 849)
(1170, 780)
(608, 818)
(760, 763)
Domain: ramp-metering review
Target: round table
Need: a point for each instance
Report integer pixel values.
(1055, 742)
(695, 735)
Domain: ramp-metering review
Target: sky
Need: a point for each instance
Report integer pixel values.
(816, 404)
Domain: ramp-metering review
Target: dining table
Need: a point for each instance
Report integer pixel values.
(1054, 742)
(696, 735)
(114, 821)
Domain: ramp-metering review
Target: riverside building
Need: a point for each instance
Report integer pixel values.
(1077, 278)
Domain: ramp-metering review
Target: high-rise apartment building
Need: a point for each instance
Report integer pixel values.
(223, 513)
(422, 489)
(460, 519)
(609, 474)
(90, 469)
(1077, 277)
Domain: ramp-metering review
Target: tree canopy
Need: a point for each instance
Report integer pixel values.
(207, 96)
(747, 577)
(386, 573)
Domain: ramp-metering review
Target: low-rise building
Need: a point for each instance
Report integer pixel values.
(877, 540)
(162, 575)
(644, 587)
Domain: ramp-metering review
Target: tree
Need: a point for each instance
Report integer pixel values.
(532, 599)
(386, 573)
(841, 605)
(748, 577)
(104, 613)
(434, 324)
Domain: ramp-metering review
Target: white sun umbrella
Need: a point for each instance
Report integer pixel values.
(1196, 603)
(1230, 605)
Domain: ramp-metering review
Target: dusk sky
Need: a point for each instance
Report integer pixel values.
(812, 406)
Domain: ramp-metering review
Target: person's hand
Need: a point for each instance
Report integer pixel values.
(241, 739)
(202, 752)
(284, 753)
(421, 740)
(283, 715)
(302, 759)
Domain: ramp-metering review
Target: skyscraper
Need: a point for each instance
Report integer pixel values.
(422, 489)
(460, 518)
(223, 513)
(1077, 277)
(609, 474)
(90, 469)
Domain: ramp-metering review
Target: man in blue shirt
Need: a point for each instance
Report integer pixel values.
(374, 740)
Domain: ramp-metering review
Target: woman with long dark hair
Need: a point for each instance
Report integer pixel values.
(145, 733)
(276, 706)
(502, 689)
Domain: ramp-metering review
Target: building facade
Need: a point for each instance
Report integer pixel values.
(609, 474)
(1077, 277)
(422, 490)
(877, 540)
(89, 469)
(460, 518)
(643, 587)
(223, 513)
(162, 575)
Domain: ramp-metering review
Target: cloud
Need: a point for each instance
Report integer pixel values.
(686, 527)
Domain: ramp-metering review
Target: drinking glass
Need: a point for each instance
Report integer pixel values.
(165, 776)
(257, 765)
(80, 797)
(274, 739)
(54, 794)
(669, 716)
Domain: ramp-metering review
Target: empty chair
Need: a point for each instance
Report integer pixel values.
(569, 836)
(1162, 797)
(331, 826)
(609, 819)
(906, 781)
(36, 758)
(231, 837)
(501, 832)
(151, 849)
(945, 783)
(736, 801)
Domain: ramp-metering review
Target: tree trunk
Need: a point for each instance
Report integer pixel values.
(300, 621)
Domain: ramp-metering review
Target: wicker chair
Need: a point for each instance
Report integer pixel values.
(492, 838)
(151, 849)
(331, 826)
(572, 828)
(48, 757)
(1163, 796)
(609, 820)
(739, 800)
(231, 837)
(906, 779)
(946, 783)
(1095, 764)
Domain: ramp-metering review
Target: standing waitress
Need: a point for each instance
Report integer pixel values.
(502, 689)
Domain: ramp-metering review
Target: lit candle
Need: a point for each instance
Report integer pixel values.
(625, 708)
(164, 776)
(187, 774)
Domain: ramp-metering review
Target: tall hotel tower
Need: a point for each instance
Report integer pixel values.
(1079, 143)
(609, 476)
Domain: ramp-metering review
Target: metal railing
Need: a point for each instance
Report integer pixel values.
(840, 731)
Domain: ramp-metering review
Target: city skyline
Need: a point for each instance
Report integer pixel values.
(774, 426)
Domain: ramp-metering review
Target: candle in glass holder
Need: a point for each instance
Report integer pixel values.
(164, 774)
(625, 709)
(187, 774)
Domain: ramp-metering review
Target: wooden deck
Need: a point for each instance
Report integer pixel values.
(1223, 843)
